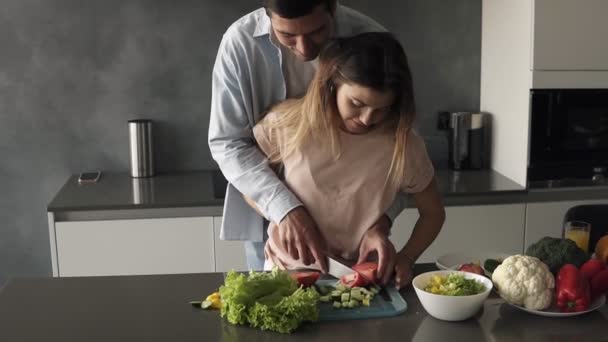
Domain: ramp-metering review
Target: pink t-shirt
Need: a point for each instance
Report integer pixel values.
(344, 196)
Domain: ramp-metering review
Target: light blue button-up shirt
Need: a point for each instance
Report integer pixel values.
(247, 80)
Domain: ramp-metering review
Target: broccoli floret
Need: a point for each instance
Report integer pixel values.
(557, 252)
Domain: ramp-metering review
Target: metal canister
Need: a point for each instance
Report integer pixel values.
(141, 148)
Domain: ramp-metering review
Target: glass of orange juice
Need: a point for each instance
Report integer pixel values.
(578, 231)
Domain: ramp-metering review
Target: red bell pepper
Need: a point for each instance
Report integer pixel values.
(592, 267)
(599, 284)
(572, 290)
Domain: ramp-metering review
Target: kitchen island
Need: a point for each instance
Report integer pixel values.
(155, 308)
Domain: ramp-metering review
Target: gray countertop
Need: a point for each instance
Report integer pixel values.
(155, 308)
(118, 191)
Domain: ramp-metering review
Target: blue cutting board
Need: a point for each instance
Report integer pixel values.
(392, 305)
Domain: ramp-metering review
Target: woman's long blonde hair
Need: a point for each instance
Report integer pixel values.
(375, 60)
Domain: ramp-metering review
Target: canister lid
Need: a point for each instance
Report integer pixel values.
(476, 120)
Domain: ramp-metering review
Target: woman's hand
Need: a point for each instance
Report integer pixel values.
(376, 240)
(404, 270)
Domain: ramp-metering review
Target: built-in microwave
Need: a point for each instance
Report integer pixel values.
(568, 134)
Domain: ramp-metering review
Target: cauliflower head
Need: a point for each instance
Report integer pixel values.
(525, 280)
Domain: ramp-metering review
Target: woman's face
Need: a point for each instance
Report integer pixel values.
(362, 108)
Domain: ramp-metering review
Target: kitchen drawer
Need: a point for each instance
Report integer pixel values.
(229, 255)
(135, 246)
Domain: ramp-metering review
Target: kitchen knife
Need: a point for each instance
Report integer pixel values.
(338, 269)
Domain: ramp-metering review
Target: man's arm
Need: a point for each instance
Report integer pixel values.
(231, 139)
(232, 146)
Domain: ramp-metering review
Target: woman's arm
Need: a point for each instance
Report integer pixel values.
(432, 216)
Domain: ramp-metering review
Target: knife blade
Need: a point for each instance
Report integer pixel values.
(337, 269)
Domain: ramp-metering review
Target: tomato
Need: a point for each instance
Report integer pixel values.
(305, 279)
(353, 279)
(472, 268)
(368, 270)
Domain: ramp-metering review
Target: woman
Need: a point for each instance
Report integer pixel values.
(346, 148)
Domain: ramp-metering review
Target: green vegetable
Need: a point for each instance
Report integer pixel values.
(556, 252)
(344, 297)
(324, 290)
(268, 300)
(454, 285)
(491, 264)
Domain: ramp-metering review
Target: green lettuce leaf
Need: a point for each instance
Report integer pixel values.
(267, 300)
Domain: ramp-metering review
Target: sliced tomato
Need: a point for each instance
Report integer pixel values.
(353, 279)
(368, 270)
(305, 278)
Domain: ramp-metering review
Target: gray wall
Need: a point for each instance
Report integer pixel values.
(73, 72)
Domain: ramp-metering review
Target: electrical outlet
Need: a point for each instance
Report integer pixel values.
(443, 121)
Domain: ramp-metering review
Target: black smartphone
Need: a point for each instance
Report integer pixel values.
(89, 177)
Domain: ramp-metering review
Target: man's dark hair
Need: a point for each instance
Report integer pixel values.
(290, 9)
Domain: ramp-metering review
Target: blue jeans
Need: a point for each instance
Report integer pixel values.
(254, 251)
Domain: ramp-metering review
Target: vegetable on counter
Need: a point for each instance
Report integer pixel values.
(213, 301)
(454, 285)
(368, 270)
(601, 249)
(472, 267)
(268, 300)
(599, 284)
(345, 297)
(305, 278)
(353, 280)
(556, 252)
(525, 280)
(592, 267)
(572, 290)
(491, 264)
(365, 273)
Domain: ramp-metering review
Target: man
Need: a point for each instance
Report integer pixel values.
(265, 57)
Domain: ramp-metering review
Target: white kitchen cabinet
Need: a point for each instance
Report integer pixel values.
(493, 228)
(570, 35)
(229, 255)
(535, 44)
(134, 246)
(546, 218)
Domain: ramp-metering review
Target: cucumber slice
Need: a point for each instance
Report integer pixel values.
(337, 305)
(341, 288)
(325, 299)
(345, 297)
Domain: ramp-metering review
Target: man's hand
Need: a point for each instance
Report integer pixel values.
(403, 270)
(376, 240)
(300, 237)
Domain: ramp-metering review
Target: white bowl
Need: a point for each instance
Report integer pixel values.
(451, 308)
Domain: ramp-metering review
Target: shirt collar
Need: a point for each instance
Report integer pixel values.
(263, 26)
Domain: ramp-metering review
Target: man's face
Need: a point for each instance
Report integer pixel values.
(304, 36)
